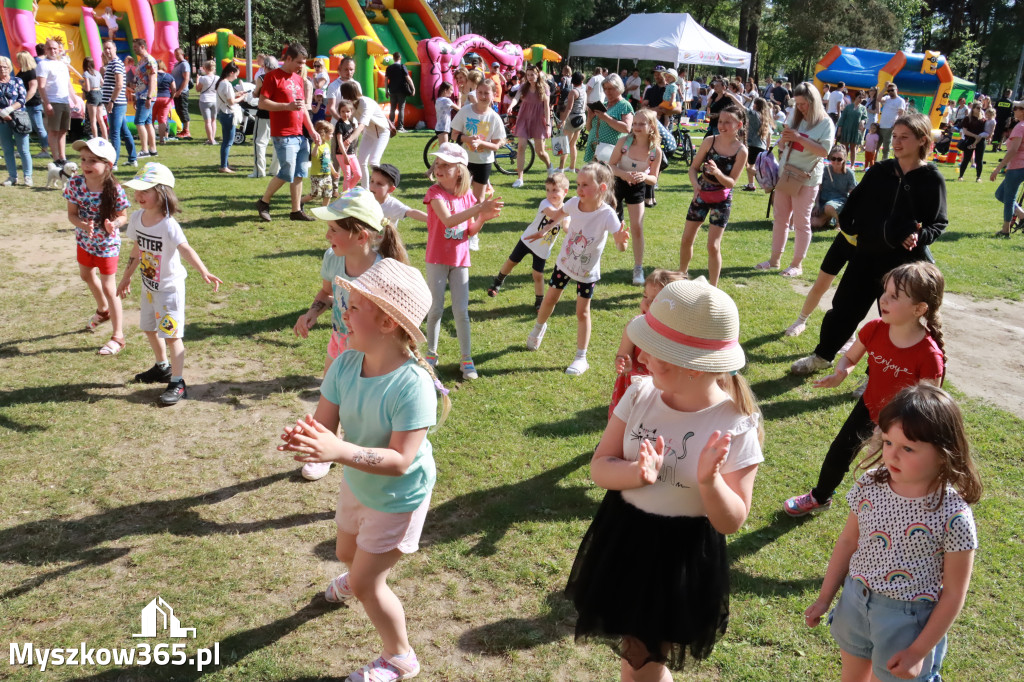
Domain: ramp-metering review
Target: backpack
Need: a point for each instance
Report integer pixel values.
(766, 170)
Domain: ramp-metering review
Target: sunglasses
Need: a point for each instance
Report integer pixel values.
(836, 158)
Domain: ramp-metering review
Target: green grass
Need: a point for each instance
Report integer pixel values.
(109, 501)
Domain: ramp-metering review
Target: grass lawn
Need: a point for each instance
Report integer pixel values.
(109, 501)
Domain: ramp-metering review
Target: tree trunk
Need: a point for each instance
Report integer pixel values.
(753, 32)
(741, 40)
(313, 26)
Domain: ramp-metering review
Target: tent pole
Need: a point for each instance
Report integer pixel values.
(616, 65)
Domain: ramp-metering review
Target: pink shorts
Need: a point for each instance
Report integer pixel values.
(107, 265)
(337, 344)
(379, 532)
(162, 108)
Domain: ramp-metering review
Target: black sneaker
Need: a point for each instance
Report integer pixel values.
(493, 290)
(263, 210)
(175, 391)
(154, 375)
(301, 215)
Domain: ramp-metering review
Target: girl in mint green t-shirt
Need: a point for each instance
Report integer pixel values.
(381, 392)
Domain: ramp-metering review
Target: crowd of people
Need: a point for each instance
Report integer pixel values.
(678, 360)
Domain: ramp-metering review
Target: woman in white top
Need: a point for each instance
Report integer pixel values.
(206, 85)
(372, 128)
(227, 99)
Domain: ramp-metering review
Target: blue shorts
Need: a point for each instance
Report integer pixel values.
(872, 626)
(143, 112)
(293, 155)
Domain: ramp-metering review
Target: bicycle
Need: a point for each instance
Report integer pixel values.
(1017, 225)
(505, 156)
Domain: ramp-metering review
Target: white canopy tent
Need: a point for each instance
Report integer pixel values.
(674, 38)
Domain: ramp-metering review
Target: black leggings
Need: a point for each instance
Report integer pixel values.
(844, 448)
(979, 158)
(859, 288)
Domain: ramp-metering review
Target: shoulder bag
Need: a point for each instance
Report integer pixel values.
(791, 178)
(20, 122)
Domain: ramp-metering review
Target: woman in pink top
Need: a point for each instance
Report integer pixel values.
(1013, 161)
(453, 216)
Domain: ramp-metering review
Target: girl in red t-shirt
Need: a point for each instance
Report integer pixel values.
(904, 347)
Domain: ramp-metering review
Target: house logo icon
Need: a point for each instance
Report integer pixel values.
(158, 614)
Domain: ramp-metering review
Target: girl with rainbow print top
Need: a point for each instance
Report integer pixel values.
(904, 557)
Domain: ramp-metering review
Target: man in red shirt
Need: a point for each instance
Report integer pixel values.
(283, 95)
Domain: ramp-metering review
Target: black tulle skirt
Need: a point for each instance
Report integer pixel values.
(659, 581)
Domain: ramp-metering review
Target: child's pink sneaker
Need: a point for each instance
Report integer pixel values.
(801, 505)
(338, 589)
(388, 670)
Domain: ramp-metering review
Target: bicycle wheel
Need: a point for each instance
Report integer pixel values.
(506, 156)
(432, 146)
(685, 149)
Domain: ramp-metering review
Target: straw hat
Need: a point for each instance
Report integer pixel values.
(693, 325)
(397, 289)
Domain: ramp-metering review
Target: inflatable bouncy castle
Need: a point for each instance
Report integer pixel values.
(80, 25)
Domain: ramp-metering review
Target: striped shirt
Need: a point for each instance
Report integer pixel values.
(114, 66)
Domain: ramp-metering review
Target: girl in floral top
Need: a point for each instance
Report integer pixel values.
(98, 208)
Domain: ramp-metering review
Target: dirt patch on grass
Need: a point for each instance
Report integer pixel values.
(982, 338)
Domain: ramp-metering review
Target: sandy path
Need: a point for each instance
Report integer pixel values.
(983, 339)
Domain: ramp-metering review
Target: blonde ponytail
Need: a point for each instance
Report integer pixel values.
(739, 390)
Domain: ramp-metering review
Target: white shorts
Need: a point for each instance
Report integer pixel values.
(379, 532)
(163, 312)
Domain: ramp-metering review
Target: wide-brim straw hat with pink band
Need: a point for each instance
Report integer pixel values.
(693, 325)
(397, 289)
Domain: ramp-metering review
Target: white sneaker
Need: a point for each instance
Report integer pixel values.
(517, 184)
(338, 589)
(114, 168)
(534, 338)
(28, 182)
(809, 365)
(474, 242)
(552, 171)
(638, 275)
(314, 471)
(847, 345)
(577, 367)
(133, 164)
(254, 174)
(797, 328)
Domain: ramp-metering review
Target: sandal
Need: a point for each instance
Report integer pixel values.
(96, 320)
(387, 670)
(113, 346)
(792, 271)
(766, 265)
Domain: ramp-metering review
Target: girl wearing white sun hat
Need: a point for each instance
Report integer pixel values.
(381, 392)
(666, 511)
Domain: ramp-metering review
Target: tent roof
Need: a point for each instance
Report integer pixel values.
(673, 38)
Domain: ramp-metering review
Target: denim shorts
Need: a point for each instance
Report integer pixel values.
(143, 112)
(293, 155)
(872, 626)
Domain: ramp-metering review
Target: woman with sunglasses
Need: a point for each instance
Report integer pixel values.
(972, 142)
(836, 184)
(1013, 162)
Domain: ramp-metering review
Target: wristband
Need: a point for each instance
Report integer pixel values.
(6, 111)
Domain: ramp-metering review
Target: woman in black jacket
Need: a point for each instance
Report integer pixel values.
(972, 144)
(896, 211)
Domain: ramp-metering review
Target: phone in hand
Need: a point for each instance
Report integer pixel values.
(597, 106)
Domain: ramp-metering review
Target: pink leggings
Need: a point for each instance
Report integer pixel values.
(798, 209)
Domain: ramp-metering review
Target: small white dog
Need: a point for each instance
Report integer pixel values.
(57, 177)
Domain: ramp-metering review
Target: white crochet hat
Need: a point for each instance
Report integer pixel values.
(397, 289)
(691, 324)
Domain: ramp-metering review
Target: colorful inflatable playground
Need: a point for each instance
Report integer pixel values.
(370, 31)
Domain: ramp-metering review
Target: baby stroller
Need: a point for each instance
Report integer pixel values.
(249, 106)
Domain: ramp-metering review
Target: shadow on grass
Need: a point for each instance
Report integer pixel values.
(590, 420)
(490, 513)
(752, 543)
(317, 253)
(233, 648)
(59, 393)
(10, 348)
(38, 543)
(279, 323)
(518, 634)
(782, 409)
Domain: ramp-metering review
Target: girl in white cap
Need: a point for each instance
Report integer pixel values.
(159, 245)
(678, 458)
(381, 392)
(453, 216)
(359, 236)
(98, 207)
